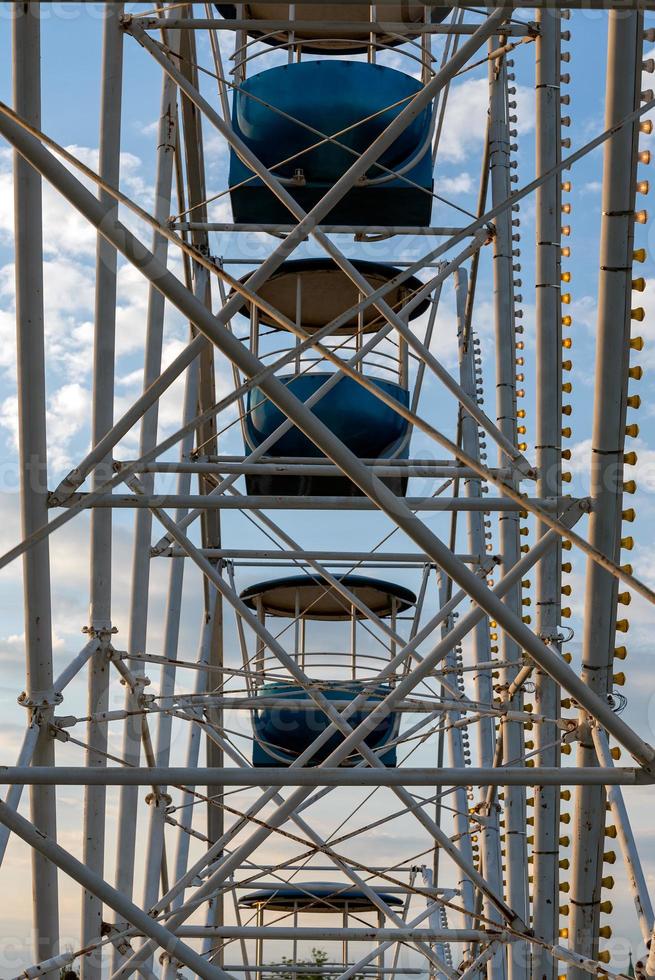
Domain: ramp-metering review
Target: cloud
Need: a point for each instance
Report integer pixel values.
(460, 184)
(65, 231)
(465, 119)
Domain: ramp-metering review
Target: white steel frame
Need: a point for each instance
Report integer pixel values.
(505, 923)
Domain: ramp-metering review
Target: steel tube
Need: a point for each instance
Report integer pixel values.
(155, 839)
(350, 28)
(243, 502)
(343, 557)
(506, 408)
(324, 776)
(485, 730)
(74, 667)
(548, 316)
(353, 934)
(104, 344)
(305, 469)
(513, 4)
(33, 464)
(623, 90)
(359, 233)
(167, 138)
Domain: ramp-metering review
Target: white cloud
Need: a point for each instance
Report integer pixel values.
(459, 184)
(65, 231)
(580, 462)
(67, 414)
(465, 119)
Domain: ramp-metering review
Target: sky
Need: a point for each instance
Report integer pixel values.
(71, 58)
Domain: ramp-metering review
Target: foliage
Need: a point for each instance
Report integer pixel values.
(318, 959)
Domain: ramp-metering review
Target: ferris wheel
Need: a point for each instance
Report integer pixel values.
(335, 714)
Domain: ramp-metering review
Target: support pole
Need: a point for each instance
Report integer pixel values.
(624, 66)
(455, 740)
(100, 624)
(33, 467)
(206, 433)
(545, 894)
(486, 732)
(155, 836)
(131, 749)
(514, 813)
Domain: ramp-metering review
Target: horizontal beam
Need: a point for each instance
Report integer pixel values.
(466, 4)
(347, 28)
(328, 464)
(243, 502)
(242, 556)
(410, 706)
(332, 932)
(174, 775)
(359, 231)
(318, 468)
(329, 970)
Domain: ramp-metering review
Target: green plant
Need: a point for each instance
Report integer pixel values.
(318, 959)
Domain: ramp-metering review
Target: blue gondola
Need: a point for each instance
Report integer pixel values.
(370, 428)
(354, 99)
(282, 732)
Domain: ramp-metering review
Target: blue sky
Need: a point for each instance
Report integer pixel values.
(70, 72)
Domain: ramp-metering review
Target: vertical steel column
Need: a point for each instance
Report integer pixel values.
(206, 434)
(93, 847)
(624, 58)
(499, 149)
(486, 732)
(33, 463)
(545, 900)
(155, 840)
(131, 751)
(456, 750)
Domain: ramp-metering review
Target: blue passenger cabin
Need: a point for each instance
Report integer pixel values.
(283, 731)
(313, 293)
(356, 100)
